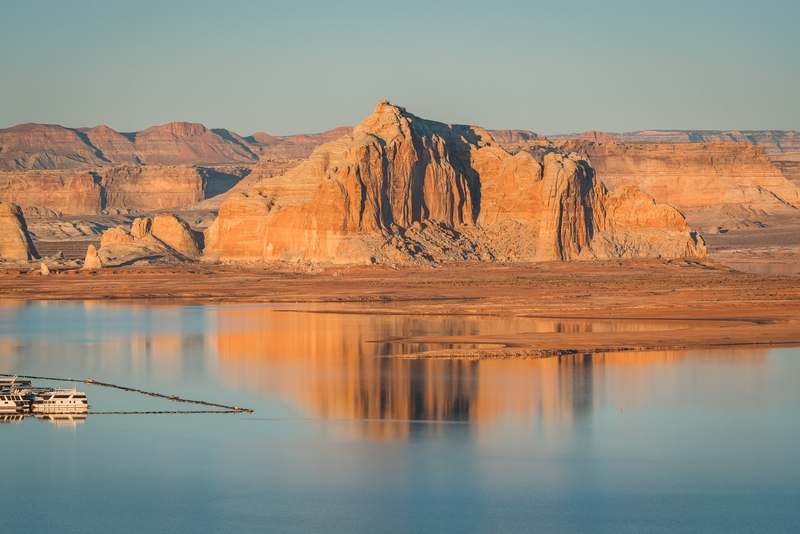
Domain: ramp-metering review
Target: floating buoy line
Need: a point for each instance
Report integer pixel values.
(223, 408)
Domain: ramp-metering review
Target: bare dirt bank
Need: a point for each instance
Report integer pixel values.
(708, 305)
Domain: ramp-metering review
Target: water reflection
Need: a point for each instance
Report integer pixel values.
(326, 363)
(11, 418)
(333, 365)
(61, 420)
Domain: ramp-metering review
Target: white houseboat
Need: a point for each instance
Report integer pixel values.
(60, 401)
(12, 402)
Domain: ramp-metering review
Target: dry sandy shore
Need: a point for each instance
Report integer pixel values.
(704, 305)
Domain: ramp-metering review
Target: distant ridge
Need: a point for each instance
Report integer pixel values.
(50, 146)
(776, 142)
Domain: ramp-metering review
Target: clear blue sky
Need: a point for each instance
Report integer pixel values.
(307, 66)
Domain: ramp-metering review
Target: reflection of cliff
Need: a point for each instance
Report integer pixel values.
(324, 363)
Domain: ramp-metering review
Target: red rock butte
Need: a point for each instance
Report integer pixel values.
(401, 189)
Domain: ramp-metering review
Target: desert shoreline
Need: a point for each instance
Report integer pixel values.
(710, 305)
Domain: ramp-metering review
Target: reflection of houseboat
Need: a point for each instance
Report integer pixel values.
(62, 419)
(11, 418)
(60, 401)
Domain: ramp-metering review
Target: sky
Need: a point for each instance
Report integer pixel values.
(305, 66)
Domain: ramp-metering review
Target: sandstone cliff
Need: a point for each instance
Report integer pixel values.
(399, 188)
(292, 146)
(114, 189)
(775, 142)
(715, 184)
(514, 136)
(180, 143)
(15, 243)
(694, 176)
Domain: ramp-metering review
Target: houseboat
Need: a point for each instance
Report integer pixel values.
(60, 401)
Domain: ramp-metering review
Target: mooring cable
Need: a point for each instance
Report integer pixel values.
(173, 398)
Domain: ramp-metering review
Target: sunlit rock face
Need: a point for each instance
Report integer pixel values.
(15, 242)
(48, 146)
(165, 237)
(118, 189)
(400, 189)
(693, 175)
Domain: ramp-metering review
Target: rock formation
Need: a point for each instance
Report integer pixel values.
(180, 143)
(15, 243)
(48, 146)
(292, 146)
(514, 136)
(119, 189)
(176, 234)
(399, 188)
(729, 184)
(92, 261)
(163, 238)
(775, 142)
(598, 137)
(694, 175)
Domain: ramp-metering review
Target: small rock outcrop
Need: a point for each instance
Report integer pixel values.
(402, 189)
(176, 234)
(92, 261)
(15, 242)
(165, 237)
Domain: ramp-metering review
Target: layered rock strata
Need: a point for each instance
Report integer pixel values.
(775, 142)
(48, 146)
(694, 175)
(714, 184)
(399, 188)
(15, 243)
(114, 189)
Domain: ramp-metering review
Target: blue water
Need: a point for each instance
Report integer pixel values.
(346, 439)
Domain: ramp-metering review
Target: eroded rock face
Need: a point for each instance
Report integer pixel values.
(176, 234)
(400, 188)
(119, 189)
(163, 238)
(774, 142)
(15, 243)
(695, 176)
(292, 146)
(777, 143)
(47, 146)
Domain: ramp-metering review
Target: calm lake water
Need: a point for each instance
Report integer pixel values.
(345, 438)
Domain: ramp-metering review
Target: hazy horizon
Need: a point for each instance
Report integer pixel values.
(308, 66)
